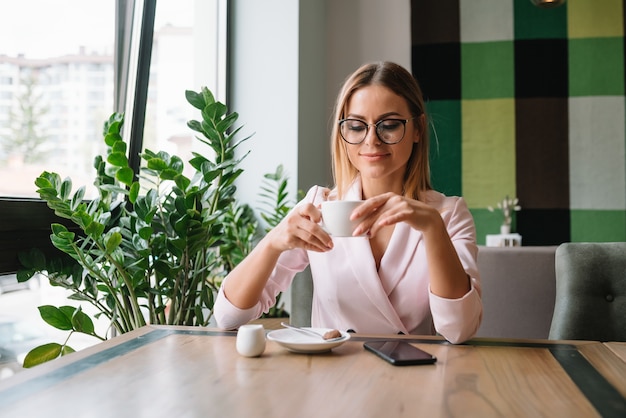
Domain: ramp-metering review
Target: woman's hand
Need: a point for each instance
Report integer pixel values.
(300, 229)
(447, 276)
(390, 208)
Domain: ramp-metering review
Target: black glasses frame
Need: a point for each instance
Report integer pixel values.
(376, 125)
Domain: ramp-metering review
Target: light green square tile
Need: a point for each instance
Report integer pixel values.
(488, 150)
(598, 225)
(595, 18)
(596, 67)
(488, 70)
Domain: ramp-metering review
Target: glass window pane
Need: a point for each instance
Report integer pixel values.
(185, 56)
(56, 90)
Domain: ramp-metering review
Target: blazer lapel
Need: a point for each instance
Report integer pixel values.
(368, 279)
(364, 268)
(400, 251)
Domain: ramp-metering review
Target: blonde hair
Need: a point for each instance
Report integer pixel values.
(401, 82)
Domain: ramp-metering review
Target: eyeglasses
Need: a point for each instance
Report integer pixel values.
(389, 131)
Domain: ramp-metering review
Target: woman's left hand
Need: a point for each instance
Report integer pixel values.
(448, 279)
(390, 208)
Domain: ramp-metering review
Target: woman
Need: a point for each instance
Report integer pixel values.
(410, 266)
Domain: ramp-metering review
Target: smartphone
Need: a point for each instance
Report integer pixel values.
(399, 353)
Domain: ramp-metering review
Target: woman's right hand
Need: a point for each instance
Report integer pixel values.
(300, 229)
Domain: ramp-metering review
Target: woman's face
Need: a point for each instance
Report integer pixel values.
(380, 163)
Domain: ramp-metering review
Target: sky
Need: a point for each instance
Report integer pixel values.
(47, 28)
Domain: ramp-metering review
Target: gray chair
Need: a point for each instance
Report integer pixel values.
(518, 290)
(590, 292)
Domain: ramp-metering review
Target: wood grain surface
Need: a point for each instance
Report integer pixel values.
(194, 372)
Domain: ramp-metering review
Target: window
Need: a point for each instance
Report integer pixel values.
(64, 84)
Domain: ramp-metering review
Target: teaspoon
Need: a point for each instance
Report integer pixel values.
(309, 332)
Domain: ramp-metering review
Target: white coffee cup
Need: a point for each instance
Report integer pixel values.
(336, 217)
(251, 340)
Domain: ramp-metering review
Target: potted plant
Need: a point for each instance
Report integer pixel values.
(507, 206)
(152, 249)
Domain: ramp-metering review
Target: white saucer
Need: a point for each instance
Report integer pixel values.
(301, 343)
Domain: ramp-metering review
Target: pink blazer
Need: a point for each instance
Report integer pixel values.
(350, 294)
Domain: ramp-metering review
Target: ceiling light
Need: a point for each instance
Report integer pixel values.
(546, 4)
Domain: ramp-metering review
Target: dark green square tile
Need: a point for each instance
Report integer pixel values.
(532, 22)
(488, 223)
(445, 146)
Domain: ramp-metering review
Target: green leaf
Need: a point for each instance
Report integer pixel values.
(54, 316)
(146, 232)
(176, 163)
(147, 154)
(181, 205)
(42, 354)
(195, 125)
(67, 350)
(34, 259)
(133, 192)
(117, 159)
(82, 322)
(227, 122)
(111, 138)
(98, 163)
(139, 243)
(82, 218)
(163, 268)
(157, 164)
(94, 229)
(69, 311)
(24, 275)
(182, 182)
(125, 175)
(195, 99)
(208, 97)
(77, 199)
(168, 174)
(49, 179)
(58, 229)
(113, 189)
(113, 241)
(119, 146)
(66, 189)
(43, 183)
(145, 207)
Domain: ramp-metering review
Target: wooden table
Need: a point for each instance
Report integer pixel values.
(618, 348)
(160, 371)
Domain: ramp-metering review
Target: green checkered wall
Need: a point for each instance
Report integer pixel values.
(528, 102)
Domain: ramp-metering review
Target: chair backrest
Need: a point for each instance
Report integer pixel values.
(518, 291)
(590, 292)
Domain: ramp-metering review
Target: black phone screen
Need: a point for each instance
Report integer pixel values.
(399, 353)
